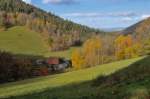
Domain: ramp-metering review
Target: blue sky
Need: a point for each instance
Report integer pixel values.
(98, 13)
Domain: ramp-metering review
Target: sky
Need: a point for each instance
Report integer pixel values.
(97, 13)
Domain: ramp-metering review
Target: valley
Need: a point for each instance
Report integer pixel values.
(50, 49)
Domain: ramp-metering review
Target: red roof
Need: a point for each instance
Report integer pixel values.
(53, 61)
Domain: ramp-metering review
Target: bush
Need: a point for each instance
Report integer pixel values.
(13, 68)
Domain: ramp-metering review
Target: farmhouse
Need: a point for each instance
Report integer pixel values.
(57, 64)
(54, 63)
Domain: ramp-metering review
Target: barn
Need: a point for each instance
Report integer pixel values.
(57, 64)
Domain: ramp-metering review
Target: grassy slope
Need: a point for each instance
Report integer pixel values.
(66, 53)
(130, 88)
(50, 82)
(20, 40)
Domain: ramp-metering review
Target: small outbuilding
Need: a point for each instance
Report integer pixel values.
(57, 64)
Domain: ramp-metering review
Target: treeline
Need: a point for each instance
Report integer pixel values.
(99, 50)
(55, 30)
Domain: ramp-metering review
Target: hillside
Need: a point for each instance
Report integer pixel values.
(60, 80)
(20, 40)
(141, 32)
(52, 28)
(141, 28)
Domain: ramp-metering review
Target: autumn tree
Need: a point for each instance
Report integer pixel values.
(92, 51)
(77, 59)
(126, 47)
(91, 54)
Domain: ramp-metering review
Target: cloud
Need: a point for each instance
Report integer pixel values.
(59, 1)
(83, 14)
(123, 14)
(120, 16)
(113, 19)
(145, 16)
(27, 1)
(127, 19)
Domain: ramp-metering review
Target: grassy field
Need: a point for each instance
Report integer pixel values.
(20, 40)
(38, 85)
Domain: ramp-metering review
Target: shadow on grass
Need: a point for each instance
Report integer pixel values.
(124, 84)
(135, 72)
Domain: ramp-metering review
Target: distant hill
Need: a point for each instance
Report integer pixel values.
(52, 28)
(113, 29)
(141, 29)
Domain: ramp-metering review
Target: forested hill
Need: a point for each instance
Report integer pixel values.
(140, 29)
(52, 28)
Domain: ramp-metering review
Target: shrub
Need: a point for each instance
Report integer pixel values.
(13, 68)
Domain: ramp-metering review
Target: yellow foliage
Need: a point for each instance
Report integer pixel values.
(90, 54)
(77, 59)
(126, 47)
(92, 51)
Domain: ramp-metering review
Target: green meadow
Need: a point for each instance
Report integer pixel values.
(20, 40)
(39, 85)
